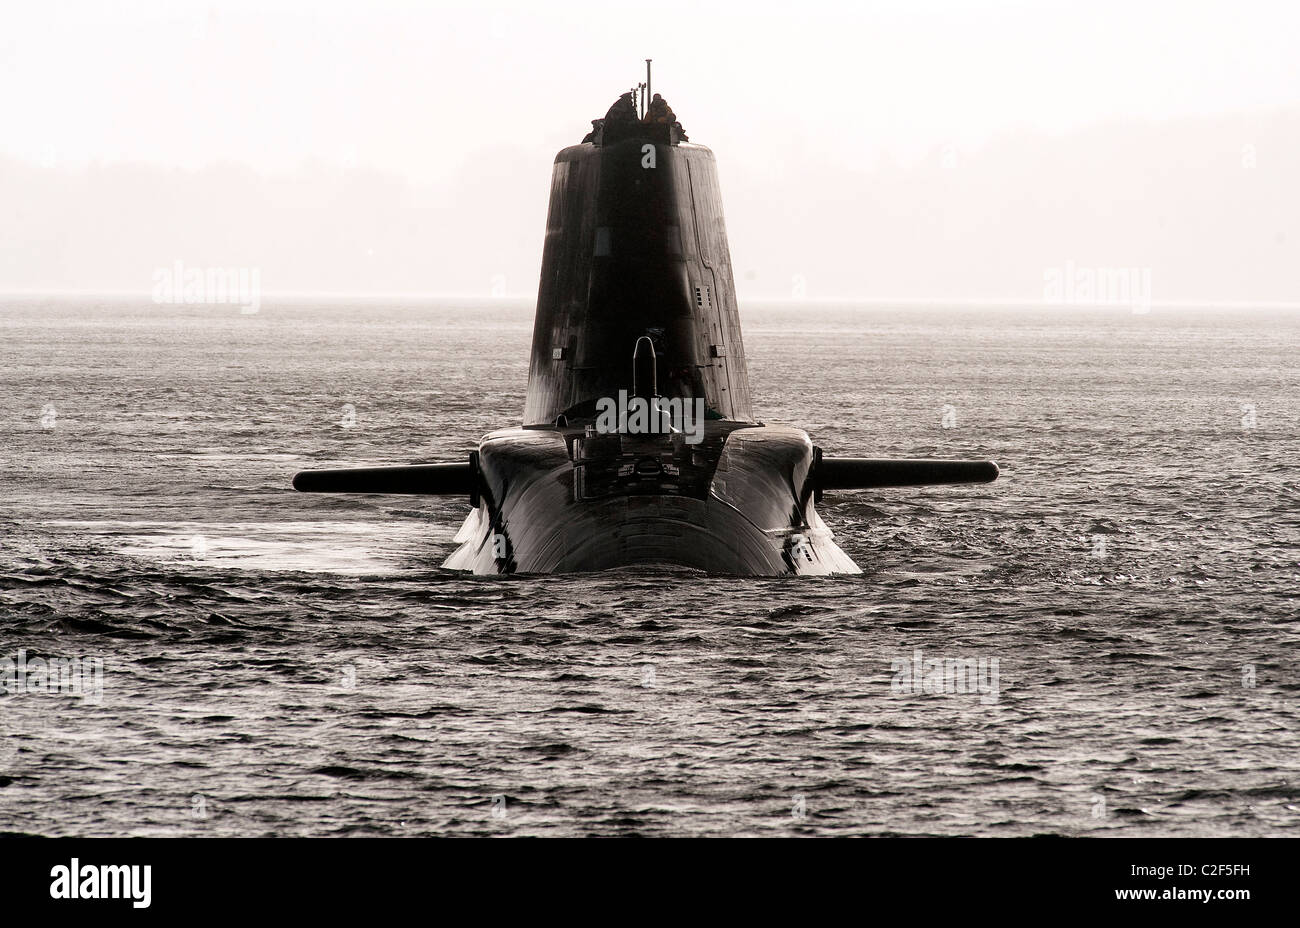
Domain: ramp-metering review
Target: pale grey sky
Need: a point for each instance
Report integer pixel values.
(425, 131)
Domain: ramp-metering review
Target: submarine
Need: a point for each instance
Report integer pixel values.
(638, 442)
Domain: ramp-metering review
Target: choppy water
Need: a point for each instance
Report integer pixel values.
(277, 663)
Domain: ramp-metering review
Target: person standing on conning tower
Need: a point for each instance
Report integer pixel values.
(660, 112)
(623, 110)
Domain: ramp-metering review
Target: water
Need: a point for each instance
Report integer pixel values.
(276, 663)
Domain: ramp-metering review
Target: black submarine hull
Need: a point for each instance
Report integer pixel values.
(636, 298)
(636, 249)
(547, 505)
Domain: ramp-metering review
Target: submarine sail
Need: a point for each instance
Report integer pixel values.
(636, 247)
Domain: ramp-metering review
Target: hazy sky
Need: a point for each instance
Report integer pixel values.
(440, 98)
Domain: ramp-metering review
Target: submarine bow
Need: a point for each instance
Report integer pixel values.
(638, 442)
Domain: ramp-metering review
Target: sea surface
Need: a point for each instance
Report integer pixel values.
(276, 663)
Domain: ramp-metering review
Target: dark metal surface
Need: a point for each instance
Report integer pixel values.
(633, 251)
(751, 515)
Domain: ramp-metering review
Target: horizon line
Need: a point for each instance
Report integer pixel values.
(972, 302)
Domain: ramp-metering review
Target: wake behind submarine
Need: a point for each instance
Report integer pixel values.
(639, 443)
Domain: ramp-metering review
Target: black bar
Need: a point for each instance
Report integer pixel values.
(927, 877)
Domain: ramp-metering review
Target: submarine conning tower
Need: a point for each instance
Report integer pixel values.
(636, 247)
